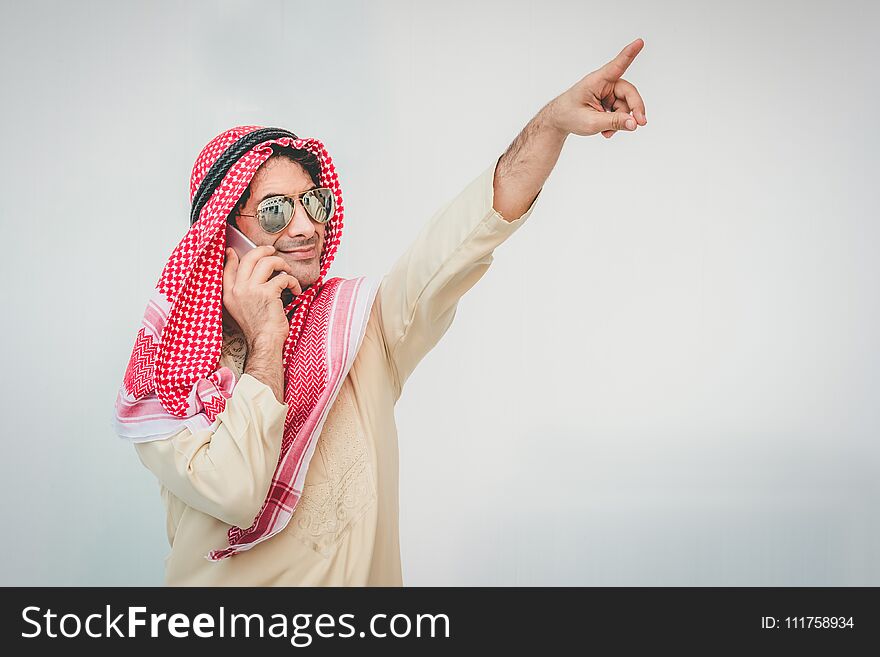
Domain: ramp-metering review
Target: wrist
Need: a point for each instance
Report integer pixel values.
(548, 120)
(264, 345)
(264, 363)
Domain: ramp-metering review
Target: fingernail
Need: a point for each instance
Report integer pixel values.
(631, 124)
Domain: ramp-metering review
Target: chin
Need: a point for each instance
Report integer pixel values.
(305, 271)
(306, 277)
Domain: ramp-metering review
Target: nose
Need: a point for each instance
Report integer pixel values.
(301, 226)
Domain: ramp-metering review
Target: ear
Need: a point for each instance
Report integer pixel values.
(233, 214)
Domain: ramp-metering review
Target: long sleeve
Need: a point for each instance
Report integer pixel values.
(419, 296)
(225, 473)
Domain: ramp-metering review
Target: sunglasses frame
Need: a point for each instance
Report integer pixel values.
(293, 199)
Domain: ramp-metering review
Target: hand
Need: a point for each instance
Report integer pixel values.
(601, 101)
(252, 296)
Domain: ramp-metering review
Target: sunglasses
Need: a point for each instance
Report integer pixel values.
(276, 212)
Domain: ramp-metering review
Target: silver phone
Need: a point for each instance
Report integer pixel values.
(238, 241)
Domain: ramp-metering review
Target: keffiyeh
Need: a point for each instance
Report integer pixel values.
(173, 379)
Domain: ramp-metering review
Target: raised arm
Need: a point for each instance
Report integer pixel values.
(599, 102)
(418, 298)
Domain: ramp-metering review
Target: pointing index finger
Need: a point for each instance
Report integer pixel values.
(617, 66)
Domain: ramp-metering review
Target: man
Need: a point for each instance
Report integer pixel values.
(261, 394)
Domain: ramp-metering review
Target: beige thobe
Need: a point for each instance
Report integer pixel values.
(344, 530)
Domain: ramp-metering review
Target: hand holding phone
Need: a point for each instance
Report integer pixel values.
(240, 243)
(250, 284)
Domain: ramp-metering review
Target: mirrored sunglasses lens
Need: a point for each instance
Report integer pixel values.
(319, 204)
(275, 214)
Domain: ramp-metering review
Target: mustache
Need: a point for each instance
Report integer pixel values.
(292, 246)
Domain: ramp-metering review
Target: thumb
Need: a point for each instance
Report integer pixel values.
(615, 121)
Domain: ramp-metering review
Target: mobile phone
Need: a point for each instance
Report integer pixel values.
(238, 241)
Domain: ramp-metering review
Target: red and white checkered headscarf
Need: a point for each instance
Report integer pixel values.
(173, 379)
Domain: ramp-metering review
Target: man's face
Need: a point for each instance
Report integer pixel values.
(276, 176)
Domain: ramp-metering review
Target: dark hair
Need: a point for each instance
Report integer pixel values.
(306, 159)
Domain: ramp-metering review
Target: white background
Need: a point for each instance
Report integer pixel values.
(669, 376)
